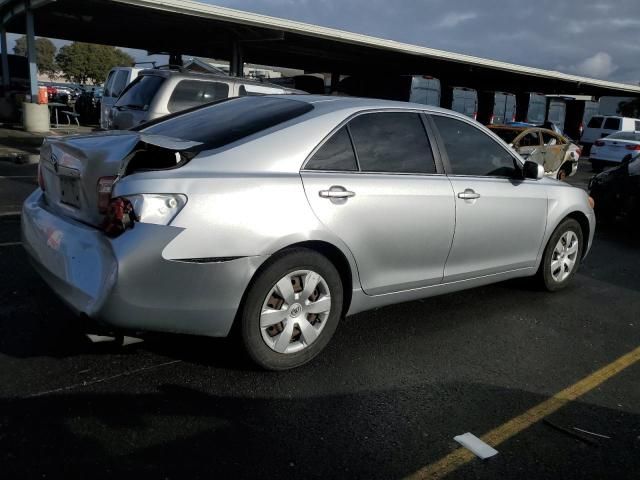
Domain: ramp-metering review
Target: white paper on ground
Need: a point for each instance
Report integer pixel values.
(477, 446)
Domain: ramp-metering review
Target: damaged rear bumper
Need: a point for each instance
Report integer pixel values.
(126, 283)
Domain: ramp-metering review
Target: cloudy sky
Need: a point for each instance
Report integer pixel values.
(595, 38)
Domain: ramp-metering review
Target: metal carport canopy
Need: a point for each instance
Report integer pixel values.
(194, 28)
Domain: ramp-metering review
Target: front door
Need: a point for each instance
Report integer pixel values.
(385, 200)
(500, 219)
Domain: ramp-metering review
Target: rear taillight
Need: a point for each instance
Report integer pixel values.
(633, 147)
(105, 186)
(599, 143)
(119, 217)
(579, 152)
(40, 178)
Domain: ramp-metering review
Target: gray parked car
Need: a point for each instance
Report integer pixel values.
(159, 92)
(283, 214)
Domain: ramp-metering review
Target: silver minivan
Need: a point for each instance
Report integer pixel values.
(156, 93)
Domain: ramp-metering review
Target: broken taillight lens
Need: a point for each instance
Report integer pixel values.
(105, 186)
(119, 216)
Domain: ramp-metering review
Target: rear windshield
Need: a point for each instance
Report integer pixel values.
(612, 124)
(226, 121)
(506, 134)
(139, 94)
(635, 137)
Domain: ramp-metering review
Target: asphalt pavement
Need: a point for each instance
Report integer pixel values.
(384, 400)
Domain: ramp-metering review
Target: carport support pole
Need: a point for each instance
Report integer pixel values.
(31, 54)
(236, 66)
(5, 57)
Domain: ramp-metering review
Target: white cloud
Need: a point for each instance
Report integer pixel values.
(454, 19)
(600, 65)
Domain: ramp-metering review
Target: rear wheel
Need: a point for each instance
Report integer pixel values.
(562, 256)
(291, 310)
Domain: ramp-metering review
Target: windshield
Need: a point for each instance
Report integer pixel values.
(139, 94)
(226, 121)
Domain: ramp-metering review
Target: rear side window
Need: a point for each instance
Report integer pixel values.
(140, 92)
(119, 83)
(228, 120)
(595, 122)
(190, 93)
(471, 151)
(335, 154)
(392, 142)
(612, 124)
(550, 139)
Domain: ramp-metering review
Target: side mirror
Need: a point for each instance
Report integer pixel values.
(532, 170)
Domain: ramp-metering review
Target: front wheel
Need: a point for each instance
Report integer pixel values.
(562, 256)
(291, 310)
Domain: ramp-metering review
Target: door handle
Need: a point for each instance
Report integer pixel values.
(336, 192)
(468, 194)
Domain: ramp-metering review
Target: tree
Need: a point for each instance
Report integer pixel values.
(45, 54)
(84, 62)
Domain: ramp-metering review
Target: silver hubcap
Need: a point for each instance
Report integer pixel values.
(295, 311)
(564, 256)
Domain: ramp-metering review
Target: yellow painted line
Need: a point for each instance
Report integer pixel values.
(504, 432)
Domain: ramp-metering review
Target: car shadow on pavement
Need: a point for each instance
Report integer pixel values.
(181, 432)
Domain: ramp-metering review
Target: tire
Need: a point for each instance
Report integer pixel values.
(563, 173)
(300, 335)
(556, 277)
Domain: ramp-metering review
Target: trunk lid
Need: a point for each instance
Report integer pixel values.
(70, 167)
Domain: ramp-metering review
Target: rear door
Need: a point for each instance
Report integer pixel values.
(385, 198)
(191, 93)
(500, 218)
(554, 150)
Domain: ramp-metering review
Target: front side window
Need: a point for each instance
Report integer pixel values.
(336, 154)
(119, 83)
(392, 142)
(531, 139)
(473, 152)
(611, 124)
(190, 93)
(107, 84)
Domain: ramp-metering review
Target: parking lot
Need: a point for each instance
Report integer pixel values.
(384, 400)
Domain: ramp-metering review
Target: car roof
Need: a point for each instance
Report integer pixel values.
(327, 103)
(170, 73)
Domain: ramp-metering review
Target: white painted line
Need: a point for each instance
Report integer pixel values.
(10, 214)
(10, 244)
(477, 446)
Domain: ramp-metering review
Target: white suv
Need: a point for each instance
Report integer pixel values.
(601, 126)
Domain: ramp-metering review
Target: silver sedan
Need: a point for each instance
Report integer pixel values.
(282, 215)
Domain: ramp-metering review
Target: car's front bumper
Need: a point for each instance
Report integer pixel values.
(126, 283)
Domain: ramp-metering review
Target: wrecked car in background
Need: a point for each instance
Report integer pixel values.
(555, 153)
